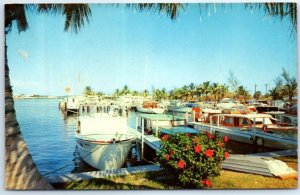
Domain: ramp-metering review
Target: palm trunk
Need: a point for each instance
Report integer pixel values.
(20, 170)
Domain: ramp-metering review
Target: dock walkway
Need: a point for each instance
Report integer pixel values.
(101, 174)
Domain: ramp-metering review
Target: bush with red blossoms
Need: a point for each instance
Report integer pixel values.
(194, 160)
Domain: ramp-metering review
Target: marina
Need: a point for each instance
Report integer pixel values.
(151, 96)
(146, 129)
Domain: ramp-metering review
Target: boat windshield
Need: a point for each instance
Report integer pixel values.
(266, 121)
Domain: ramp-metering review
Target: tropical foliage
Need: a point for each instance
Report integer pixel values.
(285, 87)
(194, 160)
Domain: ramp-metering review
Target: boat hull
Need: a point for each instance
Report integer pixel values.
(261, 138)
(104, 154)
(151, 110)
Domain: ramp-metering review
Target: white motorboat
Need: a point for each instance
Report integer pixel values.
(103, 141)
(150, 110)
(258, 129)
(150, 107)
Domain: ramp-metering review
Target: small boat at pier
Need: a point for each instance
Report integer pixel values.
(103, 141)
(258, 129)
(70, 105)
(150, 107)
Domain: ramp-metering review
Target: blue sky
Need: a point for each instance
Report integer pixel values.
(122, 46)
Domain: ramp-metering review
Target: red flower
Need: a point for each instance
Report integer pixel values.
(226, 155)
(226, 138)
(165, 137)
(209, 153)
(188, 135)
(197, 149)
(167, 157)
(181, 164)
(206, 182)
(171, 152)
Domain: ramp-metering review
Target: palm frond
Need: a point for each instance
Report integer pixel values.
(50, 8)
(280, 10)
(15, 12)
(76, 15)
(171, 9)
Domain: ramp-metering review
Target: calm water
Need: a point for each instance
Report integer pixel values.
(49, 136)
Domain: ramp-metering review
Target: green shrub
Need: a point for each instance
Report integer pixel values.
(193, 160)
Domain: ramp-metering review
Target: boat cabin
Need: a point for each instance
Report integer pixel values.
(151, 122)
(242, 121)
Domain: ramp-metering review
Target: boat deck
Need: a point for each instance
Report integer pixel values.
(179, 129)
(161, 117)
(150, 140)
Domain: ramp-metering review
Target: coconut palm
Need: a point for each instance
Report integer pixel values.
(290, 89)
(223, 91)
(199, 91)
(242, 91)
(206, 88)
(88, 91)
(117, 93)
(275, 93)
(125, 90)
(145, 93)
(20, 170)
(257, 95)
(214, 88)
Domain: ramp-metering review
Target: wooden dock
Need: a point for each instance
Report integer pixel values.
(69, 177)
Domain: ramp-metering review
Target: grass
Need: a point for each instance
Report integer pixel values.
(157, 180)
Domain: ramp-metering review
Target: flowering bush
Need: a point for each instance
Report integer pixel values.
(194, 160)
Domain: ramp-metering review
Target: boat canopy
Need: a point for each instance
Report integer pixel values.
(102, 124)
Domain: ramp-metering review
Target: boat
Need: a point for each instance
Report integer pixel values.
(69, 105)
(178, 106)
(103, 141)
(150, 107)
(284, 119)
(231, 104)
(258, 129)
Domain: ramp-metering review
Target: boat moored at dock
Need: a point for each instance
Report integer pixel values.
(255, 129)
(103, 141)
(150, 107)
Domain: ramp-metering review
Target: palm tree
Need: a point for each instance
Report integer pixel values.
(223, 91)
(117, 93)
(242, 91)
(206, 88)
(199, 91)
(257, 95)
(192, 90)
(290, 89)
(125, 90)
(214, 88)
(88, 91)
(20, 170)
(164, 94)
(275, 93)
(145, 93)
